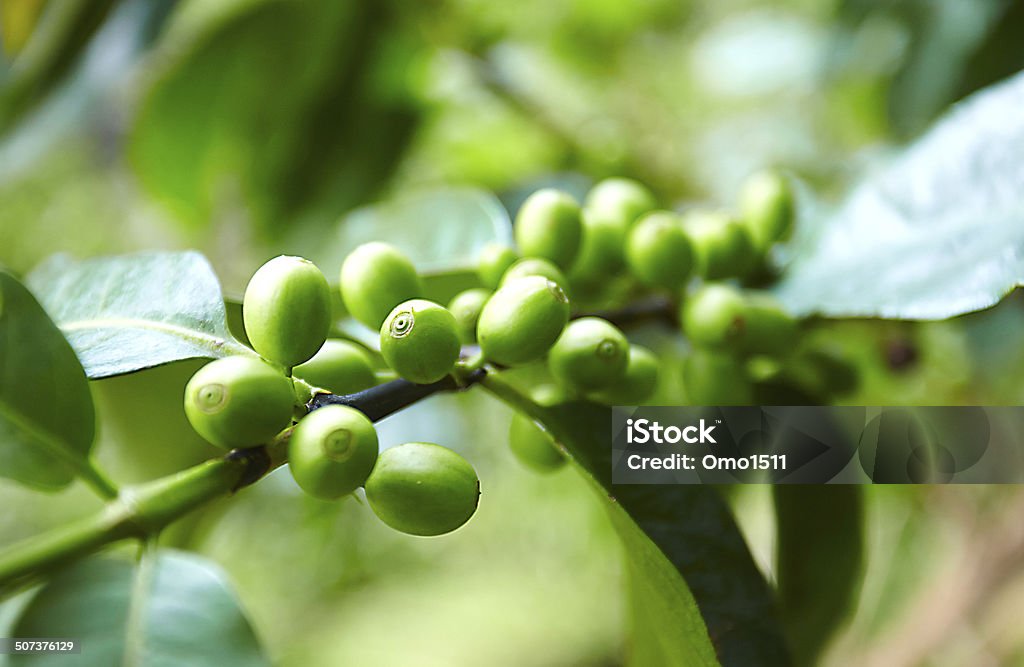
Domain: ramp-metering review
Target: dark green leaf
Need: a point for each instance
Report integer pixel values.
(129, 312)
(696, 594)
(327, 137)
(938, 234)
(173, 609)
(819, 555)
(47, 421)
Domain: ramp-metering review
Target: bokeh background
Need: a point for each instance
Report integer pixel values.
(250, 128)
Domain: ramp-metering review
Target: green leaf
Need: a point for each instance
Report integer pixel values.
(329, 137)
(47, 422)
(819, 557)
(440, 230)
(937, 234)
(129, 312)
(173, 609)
(696, 595)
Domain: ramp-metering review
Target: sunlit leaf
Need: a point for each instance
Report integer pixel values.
(129, 312)
(937, 234)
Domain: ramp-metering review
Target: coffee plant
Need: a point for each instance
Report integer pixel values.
(540, 309)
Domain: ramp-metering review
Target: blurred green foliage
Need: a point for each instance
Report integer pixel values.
(248, 128)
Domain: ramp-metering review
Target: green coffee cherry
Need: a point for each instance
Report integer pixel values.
(658, 251)
(522, 320)
(493, 262)
(332, 451)
(600, 254)
(239, 401)
(376, 277)
(766, 204)
(612, 206)
(715, 316)
(340, 366)
(420, 341)
(636, 385)
(533, 446)
(535, 266)
(287, 310)
(548, 226)
(711, 377)
(621, 200)
(769, 328)
(722, 246)
(422, 489)
(466, 307)
(590, 354)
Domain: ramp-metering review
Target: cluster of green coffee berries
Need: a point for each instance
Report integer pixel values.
(527, 311)
(244, 401)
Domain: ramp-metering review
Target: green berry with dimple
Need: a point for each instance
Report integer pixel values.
(533, 446)
(548, 226)
(590, 355)
(332, 451)
(287, 310)
(341, 367)
(713, 377)
(766, 204)
(239, 401)
(638, 382)
(420, 341)
(493, 262)
(722, 246)
(658, 251)
(423, 489)
(715, 316)
(535, 266)
(376, 277)
(466, 307)
(522, 320)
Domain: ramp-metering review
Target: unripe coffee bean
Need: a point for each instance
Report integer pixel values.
(376, 277)
(423, 489)
(493, 262)
(621, 200)
(535, 266)
(611, 208)
(239, 401)
(721, 244)
(715, 316)
(601, 252)
(332, 451)
(769, 328)
(637, 383)
(548, 226)
(341, 367)
(712, 378)
(590, 355)
(420, 341)
(466, 307)
(287, 310)
(522, 320)
(766, 204)
(658, 251)
(533, 446)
